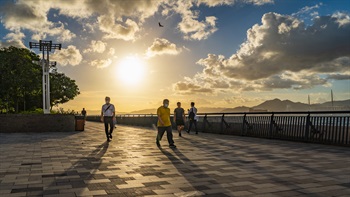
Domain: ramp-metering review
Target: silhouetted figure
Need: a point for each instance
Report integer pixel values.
(164, 124)
(192, 116)
(179, 118)
(107, 116)
(83, 112)
(160, 25)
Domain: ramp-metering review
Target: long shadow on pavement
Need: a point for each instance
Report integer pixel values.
(186, 167)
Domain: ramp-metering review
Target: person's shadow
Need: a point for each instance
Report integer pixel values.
(85, 168)
(186, 167)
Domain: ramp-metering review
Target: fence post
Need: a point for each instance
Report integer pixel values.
(222, 123)
(243, 126)
(204, 122)
(307, 129)
(271, 125)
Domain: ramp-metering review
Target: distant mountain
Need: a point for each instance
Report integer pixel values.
(145, 111)
(270, 105)
(200, 110)
(236, 109)
(287, 105)
(278, 105)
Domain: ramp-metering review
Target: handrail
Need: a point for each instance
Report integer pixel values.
(331, 127)
(251, 113)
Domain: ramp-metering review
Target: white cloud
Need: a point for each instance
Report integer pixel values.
(126, 31)
(101, 63)
(69, 56)
(213, 3)
(117, 19)
(111, 51)
(96, 46)
(13, 39)
(28, 15)
(162, 46)
(190, 26)
(281, 53)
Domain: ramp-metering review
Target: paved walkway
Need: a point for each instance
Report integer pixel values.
(83, 164)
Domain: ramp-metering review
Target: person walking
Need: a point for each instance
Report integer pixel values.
(193, 118)
(179, 118)
(107, 116)
(83, 112)
(164, 124)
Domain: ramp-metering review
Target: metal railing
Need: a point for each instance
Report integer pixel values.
(329, 127)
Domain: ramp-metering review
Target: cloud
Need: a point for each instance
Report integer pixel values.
(29, 15)
(338, 76)
(190, 26)
(188, 87)
(213, 3)
(101, 63)
(126, 32)
(111, 51)
(281, 53)
(162, 46)
(96, 46)
(13, 39)
(307, 10)
(69, 56)
(116, 19)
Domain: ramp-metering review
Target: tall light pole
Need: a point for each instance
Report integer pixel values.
(46, 46)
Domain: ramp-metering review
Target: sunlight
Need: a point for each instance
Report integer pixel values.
(131, 70)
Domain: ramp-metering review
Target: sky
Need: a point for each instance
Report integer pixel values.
(217, 53)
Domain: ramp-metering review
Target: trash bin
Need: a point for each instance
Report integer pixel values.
(79, 123)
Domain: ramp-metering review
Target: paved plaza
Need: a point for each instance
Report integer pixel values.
(84, 164)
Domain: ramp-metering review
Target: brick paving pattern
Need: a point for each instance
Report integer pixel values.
(83, 164)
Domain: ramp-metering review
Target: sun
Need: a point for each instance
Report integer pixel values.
(131, 70)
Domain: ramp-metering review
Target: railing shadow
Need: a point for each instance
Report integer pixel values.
(77, 176)
(185, 166)
(262, 169)
(30, 138)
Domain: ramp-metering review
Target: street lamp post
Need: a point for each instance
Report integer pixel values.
(46, 46)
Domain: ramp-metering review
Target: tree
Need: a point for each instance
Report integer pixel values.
(62, 88)
(20, 78)
(21, 82)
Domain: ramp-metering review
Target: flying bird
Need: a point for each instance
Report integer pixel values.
(160, 25)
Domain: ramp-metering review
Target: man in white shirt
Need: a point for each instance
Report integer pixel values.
(192, 116)
(107, 116)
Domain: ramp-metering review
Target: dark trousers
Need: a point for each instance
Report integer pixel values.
(195, 125)
(169, 134)
(108, 120)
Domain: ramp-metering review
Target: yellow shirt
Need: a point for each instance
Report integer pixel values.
(164, 114)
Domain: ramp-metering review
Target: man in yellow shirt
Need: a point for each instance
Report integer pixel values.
(164, 124)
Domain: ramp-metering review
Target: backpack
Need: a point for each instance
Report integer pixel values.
(191, 115)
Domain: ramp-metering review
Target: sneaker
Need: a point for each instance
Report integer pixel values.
(172, 146)
(108, 140)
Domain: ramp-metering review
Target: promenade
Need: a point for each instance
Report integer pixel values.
(84, 164)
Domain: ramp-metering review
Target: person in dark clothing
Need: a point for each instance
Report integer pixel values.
(83, 112)
(193, 118)
(107, 116)
(179, 118)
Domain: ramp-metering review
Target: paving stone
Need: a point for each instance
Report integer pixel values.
(65, 164)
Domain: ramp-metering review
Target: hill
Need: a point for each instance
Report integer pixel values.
(270, 105)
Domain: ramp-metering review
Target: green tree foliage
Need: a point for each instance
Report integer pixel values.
(63, 89)
(21, 82)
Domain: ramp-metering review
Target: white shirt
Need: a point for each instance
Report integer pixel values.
(194, 110)
(109, 111)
